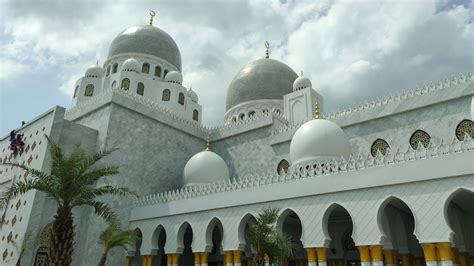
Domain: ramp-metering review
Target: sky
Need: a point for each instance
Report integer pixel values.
(351, 50)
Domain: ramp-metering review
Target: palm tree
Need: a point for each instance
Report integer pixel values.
(114, 236)
(266, 241)
(71, 183)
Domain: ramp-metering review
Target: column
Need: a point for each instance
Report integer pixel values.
(445, 254)
(429, 250)
(128, 260)
(311, 253)
(267, 260)
(321, 255)
(174, 260)
(237, 258)
(364, 252)
(390, 257)
(197, 259)
(376, 255)
(406, 260)
(228, 258)
(204, 257)
(455, 256)
(147, 260)
(169, 259)
(463, 258)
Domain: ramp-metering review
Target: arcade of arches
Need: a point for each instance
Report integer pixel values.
(398, 245)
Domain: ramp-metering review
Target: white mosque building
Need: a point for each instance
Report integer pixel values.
(387, 182)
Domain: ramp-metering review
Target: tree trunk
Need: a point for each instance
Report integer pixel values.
(103, 258)
(61, 242)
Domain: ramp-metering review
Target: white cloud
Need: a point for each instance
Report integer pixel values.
(350, 50)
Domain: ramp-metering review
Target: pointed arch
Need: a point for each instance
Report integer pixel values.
(214, 222)
(285, 213)
(381, 210)
(157, 235)
(181, 232)
(327, 214)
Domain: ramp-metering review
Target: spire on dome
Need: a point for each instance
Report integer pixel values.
(267, 49)
(152, 14)
(317, 114)
(208, 143)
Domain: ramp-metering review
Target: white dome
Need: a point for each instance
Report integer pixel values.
(318, 139)
(301, 82)
(94, 71)
(174, 77)
(193, 96)
(205, 167)
(131, 64)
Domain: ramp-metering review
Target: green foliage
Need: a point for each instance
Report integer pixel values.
(265, 240)
(114, 236)
(71, 182)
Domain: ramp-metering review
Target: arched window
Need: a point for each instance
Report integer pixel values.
(158, 71)
(241, 116)
(283, 166)
(108, 71)
(166, 95)
(140, 88)
(76, 90)
(465, 127)
(195, 115)
(251, 114)
(114, 68)
(166, 72)
(181, 98)
(89, 90)
(114, 83)
(419, 136)
(146, 68)
(125, 84)
(379, 145)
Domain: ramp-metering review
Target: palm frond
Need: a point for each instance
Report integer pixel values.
(16, 189)
(114, 236)
(29, 170)
(91, 177)
(89, 161)
(101, 209)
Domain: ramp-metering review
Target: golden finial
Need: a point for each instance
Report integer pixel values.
(208, 143)
(316, 111)
(152, 14)
(267, 49)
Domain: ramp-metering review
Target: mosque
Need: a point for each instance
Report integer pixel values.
(387, 182)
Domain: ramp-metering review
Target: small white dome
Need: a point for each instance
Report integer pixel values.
(318, 139)
(205, 167)
(94, 71)
(301, 82)
(193, 96)
(174, 77)
(131, 64)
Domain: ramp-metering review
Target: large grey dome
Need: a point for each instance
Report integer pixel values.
(149, 40)
(264, 78)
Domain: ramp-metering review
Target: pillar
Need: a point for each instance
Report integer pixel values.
(406, 260)
(237, 258)
(147, 260)
(311, 253)
(455, 257)
(321, 256)
(463, 258)
(390, 257)
(228, 258)
(445, 254)
(128, 260)
(204, 257)
(267, 260)
(172, 259)
(364, 252)
(429, 250)
(169, 259)
(376, 255)
(197, 259)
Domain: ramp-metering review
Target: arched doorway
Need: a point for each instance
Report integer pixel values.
(185, 240)
(214, 236)
(459, 212)
(290, 224)
(397, 223)
(159, 241)
(137, 257)
(338, 227)
(42, 251)
(244, 225)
